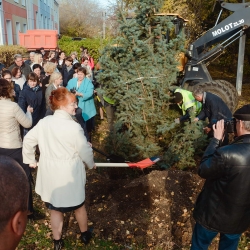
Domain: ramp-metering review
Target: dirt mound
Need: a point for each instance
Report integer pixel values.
(154, 210)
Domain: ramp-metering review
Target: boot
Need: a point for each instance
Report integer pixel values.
(58, 244)
(86, 237)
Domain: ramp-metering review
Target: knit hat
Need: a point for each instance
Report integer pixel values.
(177, 97)
(243, 113)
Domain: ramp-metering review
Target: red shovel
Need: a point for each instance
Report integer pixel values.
(140, 164)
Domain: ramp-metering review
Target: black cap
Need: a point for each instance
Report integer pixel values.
(243, 113)
(177, 97)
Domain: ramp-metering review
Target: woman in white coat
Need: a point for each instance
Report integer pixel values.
(64, 152)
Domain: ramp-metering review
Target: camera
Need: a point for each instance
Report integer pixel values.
(229, 125)
(73, 91)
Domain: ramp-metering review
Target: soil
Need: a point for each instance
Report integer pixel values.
(135, 209)
(153, 210)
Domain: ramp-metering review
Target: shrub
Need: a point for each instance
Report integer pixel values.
(7, 53)
(94, 46)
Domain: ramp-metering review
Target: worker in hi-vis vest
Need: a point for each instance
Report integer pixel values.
(187, 103)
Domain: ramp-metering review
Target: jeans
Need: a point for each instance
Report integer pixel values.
(203, 237)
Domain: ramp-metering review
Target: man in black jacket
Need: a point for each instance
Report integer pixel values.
(67, 70)
(223, 206)
(18, 62)
(213, 107)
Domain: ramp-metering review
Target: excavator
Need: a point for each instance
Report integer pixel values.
(211, 45)
(193, 65)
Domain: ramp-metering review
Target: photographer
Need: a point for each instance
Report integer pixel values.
(223, 206)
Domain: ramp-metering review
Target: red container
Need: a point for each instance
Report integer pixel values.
(35, 39)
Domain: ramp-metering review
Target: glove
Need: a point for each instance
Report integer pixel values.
(177, 120)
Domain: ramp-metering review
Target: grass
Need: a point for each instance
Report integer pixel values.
(39, 236)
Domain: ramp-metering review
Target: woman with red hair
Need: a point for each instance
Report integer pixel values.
(64, 152)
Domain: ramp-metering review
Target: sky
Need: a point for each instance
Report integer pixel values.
(105, 3)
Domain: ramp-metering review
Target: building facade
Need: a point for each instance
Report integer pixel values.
(22, 15)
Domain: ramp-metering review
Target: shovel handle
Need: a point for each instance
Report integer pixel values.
(100, 152)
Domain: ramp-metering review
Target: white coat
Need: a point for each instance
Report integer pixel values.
(11, 116)
(61, 175)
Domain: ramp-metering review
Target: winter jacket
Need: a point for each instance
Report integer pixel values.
(224, 204)
(25, 69)
(17, 90)
(59, 66)
(11, 116)
(214, 108)
(67, 75)
(28, 62)
(45, 83)
(35, 99)
(86, 103)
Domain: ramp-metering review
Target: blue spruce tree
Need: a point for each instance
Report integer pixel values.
(139, 69)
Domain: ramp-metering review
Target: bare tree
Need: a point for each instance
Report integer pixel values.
(81, 18)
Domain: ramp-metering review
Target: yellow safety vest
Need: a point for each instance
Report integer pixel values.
(188, 101)
(108, 100)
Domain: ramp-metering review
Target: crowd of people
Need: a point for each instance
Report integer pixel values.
(47, 110)
(31, 78)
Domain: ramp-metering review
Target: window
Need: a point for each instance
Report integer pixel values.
(37, 21)
(24, 28)
(17, 32)
(44, 22)
(9, 32)
(23, 2)
(16, 1)
(41, 26)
